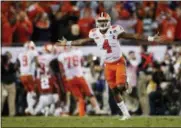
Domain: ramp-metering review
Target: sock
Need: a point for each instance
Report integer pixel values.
(52, 108)
(123, 108)
(95, 104)
(30, 100)
(81, 107)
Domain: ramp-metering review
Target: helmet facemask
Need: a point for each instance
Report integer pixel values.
(103, 24)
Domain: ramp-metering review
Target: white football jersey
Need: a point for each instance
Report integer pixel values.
(26, 60)
(108, 42)
(44, 62)
(72, 63)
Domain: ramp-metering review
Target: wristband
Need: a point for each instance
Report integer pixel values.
(150, 38)
(69, 43)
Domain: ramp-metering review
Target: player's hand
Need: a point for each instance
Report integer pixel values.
(61, 43)
(159, 39)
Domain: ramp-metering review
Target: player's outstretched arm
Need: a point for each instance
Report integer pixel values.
(78, 42)
(155, 38)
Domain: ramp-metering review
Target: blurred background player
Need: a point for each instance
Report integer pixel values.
(45, 81)
(26, 61)
(71, 62)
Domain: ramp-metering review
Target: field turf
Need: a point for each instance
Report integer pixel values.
(91, 121)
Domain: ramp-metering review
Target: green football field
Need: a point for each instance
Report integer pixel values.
(91, 121)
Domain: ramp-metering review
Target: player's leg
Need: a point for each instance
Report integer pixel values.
(44, 101)
(31, 95)
(24, 81)
(87, 90)
(75, 90)
(121, 82)
(39, 106)
(55, 100)
(117, 87)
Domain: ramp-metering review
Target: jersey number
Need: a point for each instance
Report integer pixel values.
(25, 61)
(44, 83)
(72, 61)
(106, 46)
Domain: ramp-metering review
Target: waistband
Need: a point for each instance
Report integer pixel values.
(121, 59)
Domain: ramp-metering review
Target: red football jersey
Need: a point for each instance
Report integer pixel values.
(46, 84)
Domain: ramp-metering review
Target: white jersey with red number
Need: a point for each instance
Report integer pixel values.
(72, 63)
(44, 62)
(26, 60)
(108, 42)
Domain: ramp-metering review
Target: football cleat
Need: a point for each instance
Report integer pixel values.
(125, 117)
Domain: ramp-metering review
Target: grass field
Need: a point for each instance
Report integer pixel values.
(93, 121)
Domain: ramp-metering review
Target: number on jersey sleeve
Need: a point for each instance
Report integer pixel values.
(106, 46)
(72, 61)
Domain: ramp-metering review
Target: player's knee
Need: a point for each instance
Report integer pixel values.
(115, 91)
(122, 88)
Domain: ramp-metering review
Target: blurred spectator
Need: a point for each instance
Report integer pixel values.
(130, 6)
(34, 10)
(178, 27)
(7, 31)
(86, 23)
(108, 6)
(46, 6)
(144, 76)
(126, 21)
(42, 29)
(87, 9)
(100, 7)
(167, 24)
(82, 4)
(155, 96)
(59, 26)
(116, 9)
(139, 23)
(162, 6)
(8, 78)
(146, 59)
(24, 28)
(66, 7)
(149, 24)
(148, 5)
(73, 32)
(132, 66)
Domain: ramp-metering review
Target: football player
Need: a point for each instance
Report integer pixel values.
(107, 39)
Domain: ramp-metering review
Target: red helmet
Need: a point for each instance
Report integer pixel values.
(103, 21)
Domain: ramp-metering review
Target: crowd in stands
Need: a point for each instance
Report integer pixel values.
(48, 21)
